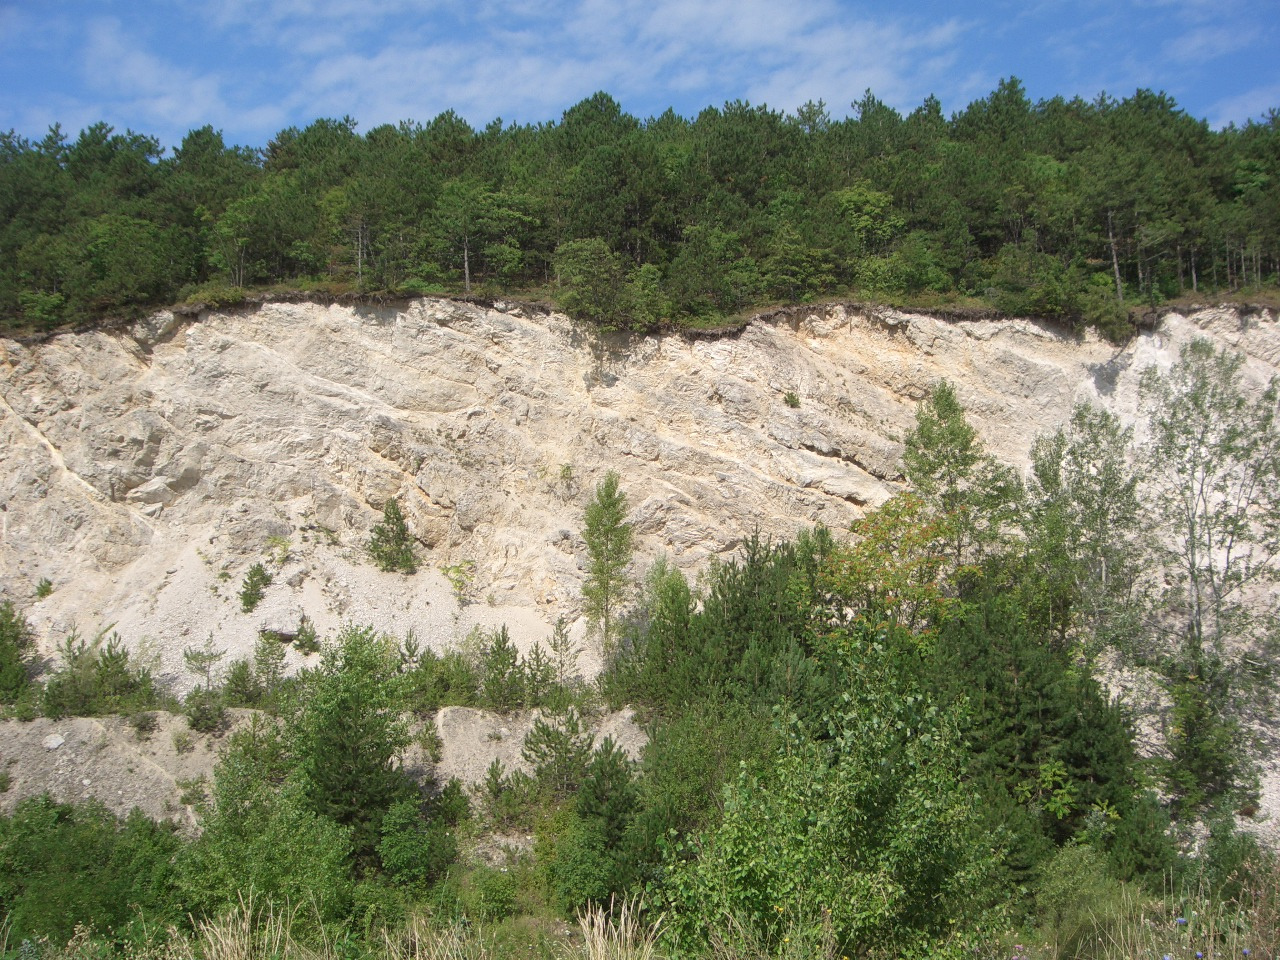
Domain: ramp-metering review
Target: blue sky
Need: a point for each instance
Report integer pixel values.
(253, 67)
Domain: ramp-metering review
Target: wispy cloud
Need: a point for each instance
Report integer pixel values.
(1206, 43)
(1250, 105)
(254, 66)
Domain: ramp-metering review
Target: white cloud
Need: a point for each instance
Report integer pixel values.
(1250, 105)
(1206, 43)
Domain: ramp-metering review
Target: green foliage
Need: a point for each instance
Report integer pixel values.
(751, 639)
(558, 747)
(256, 581)
(1061, 207)
(1080, 903)
(306, 640)
(349, 735)
(1216, 488)
(892, 572)
(502, 682)
(591, 277)
(489, 894)
(262, 835)
(268, 668)
(1038, 725)
(791, 399)
(390, 544)
(460, 576)
(44, 588)
(963, 486)
(15, 642)
(434, 680)
(1209, 760)
(67, 865)
(202, 660)
(418, 840)
(1084, 530)
(1217, 454)
(869, 830)
(686, 764)
(607, 794)
(580, 866)
(205, 710)
(241, 688)
(97, 678)
(609, 540)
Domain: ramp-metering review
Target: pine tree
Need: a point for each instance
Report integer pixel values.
(390, 544)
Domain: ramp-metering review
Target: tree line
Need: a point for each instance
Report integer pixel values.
(1063, 208)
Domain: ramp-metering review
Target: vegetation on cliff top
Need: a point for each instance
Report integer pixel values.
(1072, 209)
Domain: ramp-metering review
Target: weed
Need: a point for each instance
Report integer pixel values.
(279, 548)
(460, 576)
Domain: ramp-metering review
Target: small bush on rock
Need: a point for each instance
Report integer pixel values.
(255, 584)
(390, 544)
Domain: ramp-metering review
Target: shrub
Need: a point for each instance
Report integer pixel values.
(255, 584)
(419, 841)
(441, 680)
(869, 830)
(305, 640)
(559, 749)
(503, 682)
(67, 865)
(15, 641)
(390, 544)
(581, 869)
(97, 678)
(489, 894)
(241, 688)
(791, 399)
(204, 710)
(143, 723)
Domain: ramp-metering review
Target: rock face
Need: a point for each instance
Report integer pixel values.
(143, 473)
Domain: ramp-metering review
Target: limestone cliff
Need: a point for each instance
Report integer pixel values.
(144, 472)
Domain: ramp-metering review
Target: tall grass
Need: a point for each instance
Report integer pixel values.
(1191, 926)
(619, 933)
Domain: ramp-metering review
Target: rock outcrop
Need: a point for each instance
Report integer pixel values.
(144, 472)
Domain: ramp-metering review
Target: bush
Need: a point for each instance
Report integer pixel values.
(255, 584)
(68, 865)
(441, 680)
(97, 678)
(390, 544)
(502, 685)
(580, 866)
(15, 641)
(489, 894)
(204, 710)
(241, 688)
(869, 830)
(559, 749)
(419, 841)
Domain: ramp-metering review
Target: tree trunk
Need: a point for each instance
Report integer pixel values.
(1115, 258)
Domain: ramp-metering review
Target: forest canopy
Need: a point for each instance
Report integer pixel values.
(1068, 209)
